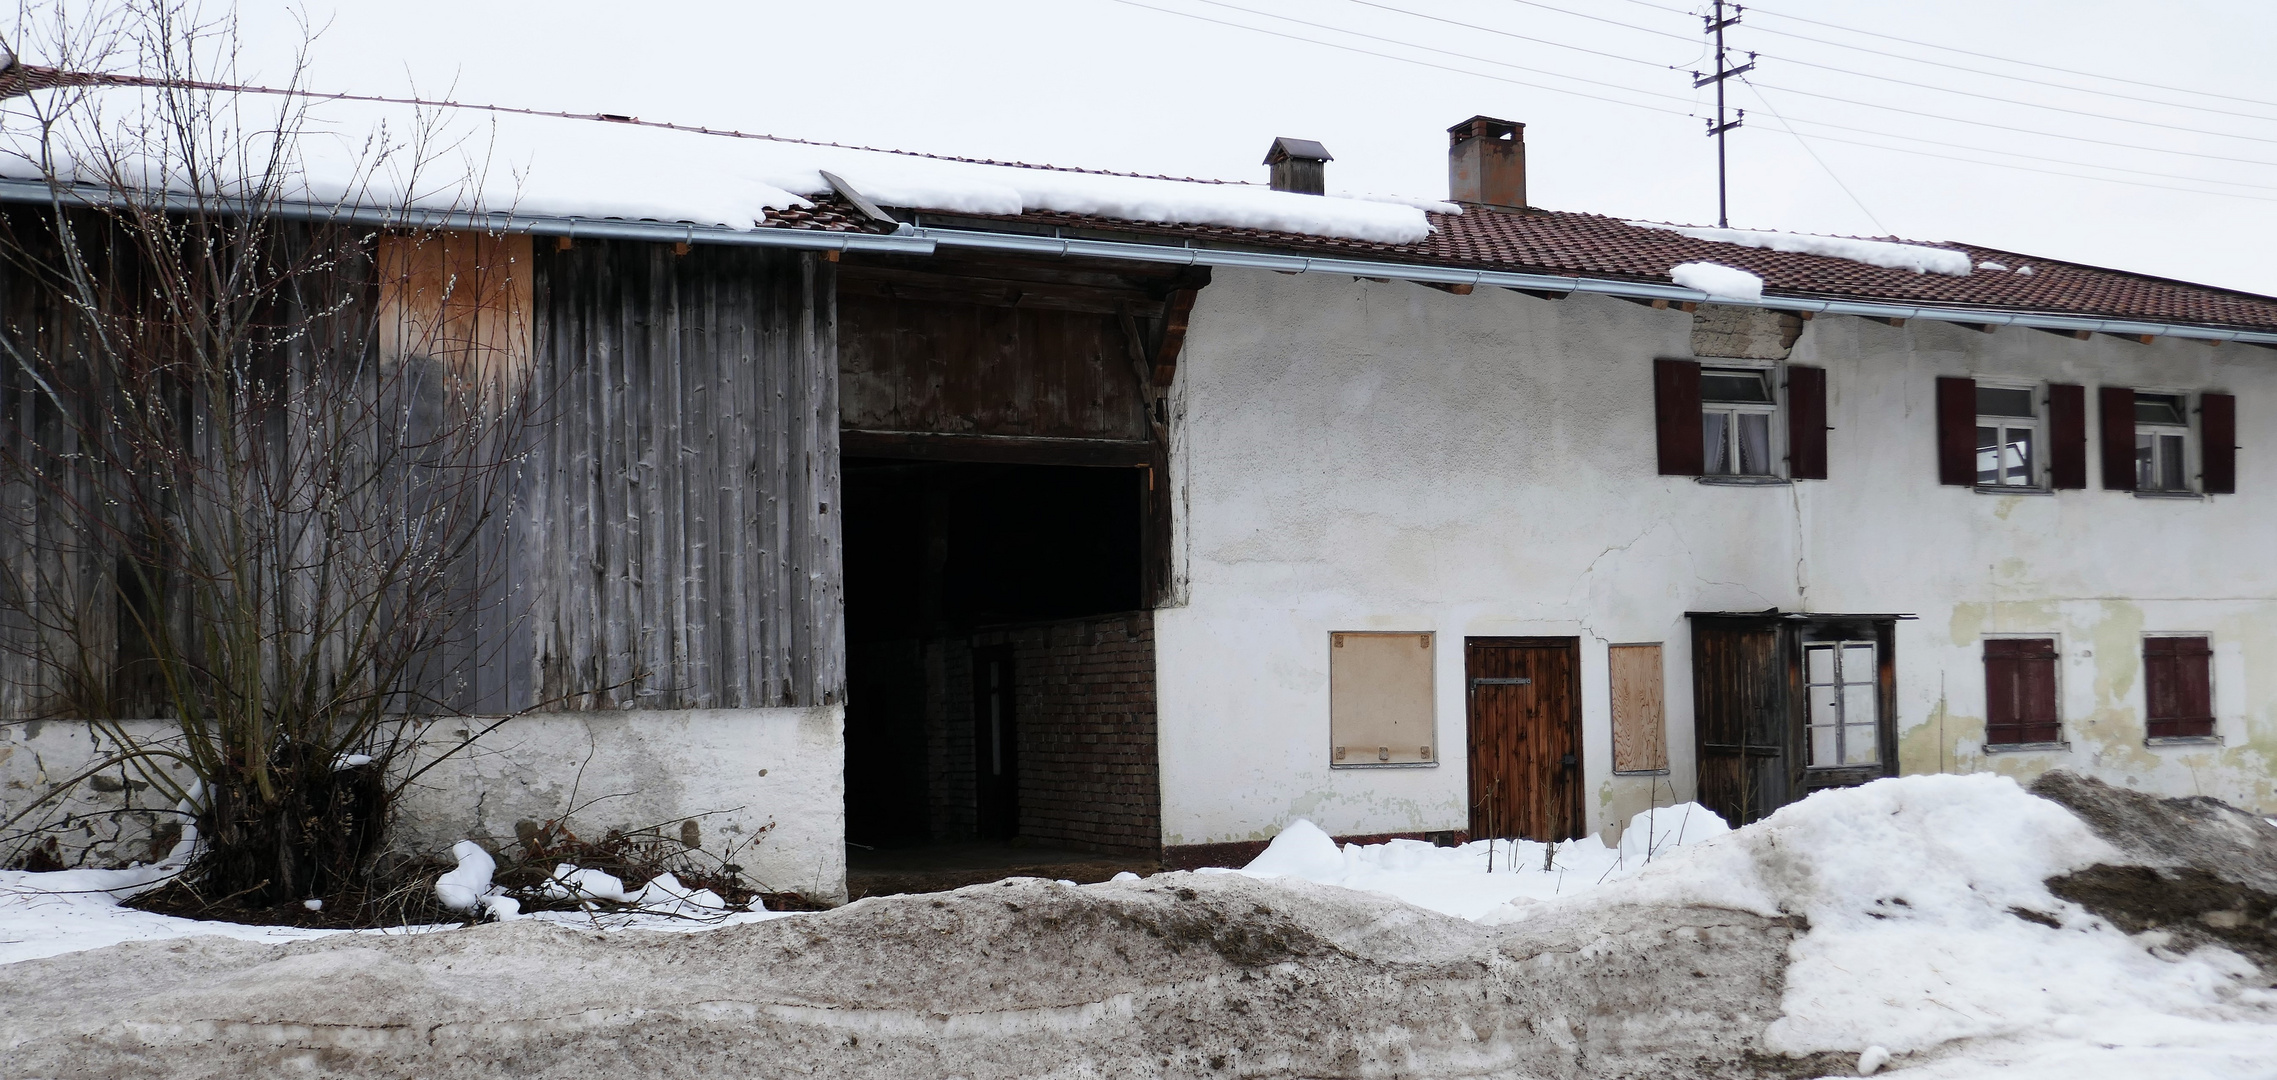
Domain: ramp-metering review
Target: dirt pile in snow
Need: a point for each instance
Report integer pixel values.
(2199, 871)
(1177, 975)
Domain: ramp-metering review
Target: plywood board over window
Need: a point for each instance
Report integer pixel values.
(1380, 699)
(1640, 728)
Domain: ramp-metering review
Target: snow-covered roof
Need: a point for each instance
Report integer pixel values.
(587, 167)
(543, 165)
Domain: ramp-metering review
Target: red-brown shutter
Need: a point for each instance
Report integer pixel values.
(2067, 436)
(1806, 423)
(2217, 427)
(2020, 691)
(2118, 437)
(2178, 686)
(1957, 431)
(1676, 407)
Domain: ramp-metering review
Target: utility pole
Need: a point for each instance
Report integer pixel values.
(1716, 21)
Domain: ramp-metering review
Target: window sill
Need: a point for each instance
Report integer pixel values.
(1383, 765)
(2140, 494)
(2027, 747)
(1743, 481)
(2011, 489)
(2183, 740)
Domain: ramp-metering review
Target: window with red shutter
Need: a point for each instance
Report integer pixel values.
(2178, 687)
(1676, 405)
(2020, 691)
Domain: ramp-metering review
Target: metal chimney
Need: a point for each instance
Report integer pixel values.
(1486, 163)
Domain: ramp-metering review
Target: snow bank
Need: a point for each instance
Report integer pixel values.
(1930, 924)
(590, 168)
(1917, 891)
(1715, 279)
(1918, 258)
(1502, 877)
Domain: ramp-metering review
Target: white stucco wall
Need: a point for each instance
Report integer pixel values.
(1352, 455)
(766, 786)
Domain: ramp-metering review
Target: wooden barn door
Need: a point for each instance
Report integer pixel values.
(1525, 737)
(1740, 675)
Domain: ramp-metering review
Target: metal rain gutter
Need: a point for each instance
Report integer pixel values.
(499, 222)
(1559, 283)
(925, 241)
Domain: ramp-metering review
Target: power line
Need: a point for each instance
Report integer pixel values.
(1806, 121)
(2025, 130)
(1958, 67)
(2026, 104)
(1758, 88)
(1986, 56)
(2017, 154)
(2020, 168)
(1504, 33)
(1424, 63)
(1813, 152)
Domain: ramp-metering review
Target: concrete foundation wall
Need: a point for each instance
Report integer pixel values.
(766, 787)
(1352, 455)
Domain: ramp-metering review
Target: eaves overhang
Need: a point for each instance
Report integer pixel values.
(912, 240)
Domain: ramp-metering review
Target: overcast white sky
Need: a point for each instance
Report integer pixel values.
(1114, 84)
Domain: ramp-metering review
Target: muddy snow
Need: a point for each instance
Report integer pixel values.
(1938, 926)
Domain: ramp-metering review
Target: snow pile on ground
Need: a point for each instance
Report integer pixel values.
(1932, 930)
(47, 914)
(1919, 258)
(591, 168)
(1718, 280)
(1479, 877)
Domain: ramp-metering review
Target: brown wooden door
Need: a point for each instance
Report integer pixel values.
(1740, 714)
(1525, 737)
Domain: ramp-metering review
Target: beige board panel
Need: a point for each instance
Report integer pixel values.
(1380, 702)
(1640, 727)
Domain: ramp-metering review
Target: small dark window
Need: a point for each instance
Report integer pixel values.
(1735, 422)
(2178, 686)
(2008, 438)
(2162, 435)
(2020, 691)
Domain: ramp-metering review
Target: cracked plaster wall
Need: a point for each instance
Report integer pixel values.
(1352, 455)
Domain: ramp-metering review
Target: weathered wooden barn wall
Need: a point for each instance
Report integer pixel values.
(677, 546)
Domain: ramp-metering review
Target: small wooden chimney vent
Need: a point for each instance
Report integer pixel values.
(1299, 165)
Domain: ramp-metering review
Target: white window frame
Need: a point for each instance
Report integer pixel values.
(2035, 424)
(1843, 723)
(1775, 440)
(2186, 404)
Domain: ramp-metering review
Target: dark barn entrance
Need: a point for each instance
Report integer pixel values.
(999, 678)
(1004, 450)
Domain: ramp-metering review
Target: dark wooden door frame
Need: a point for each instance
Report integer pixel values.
(1575, 810)
(1787, 698)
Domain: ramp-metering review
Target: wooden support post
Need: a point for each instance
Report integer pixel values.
(1174, 315)
(679, 247)
(563, 243)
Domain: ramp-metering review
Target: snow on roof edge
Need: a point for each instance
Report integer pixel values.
(1919, 258)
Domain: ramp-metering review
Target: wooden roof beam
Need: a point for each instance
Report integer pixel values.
(2077, 335)
(1445, 287)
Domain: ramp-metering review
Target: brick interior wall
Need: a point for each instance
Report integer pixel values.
(1084, 707)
